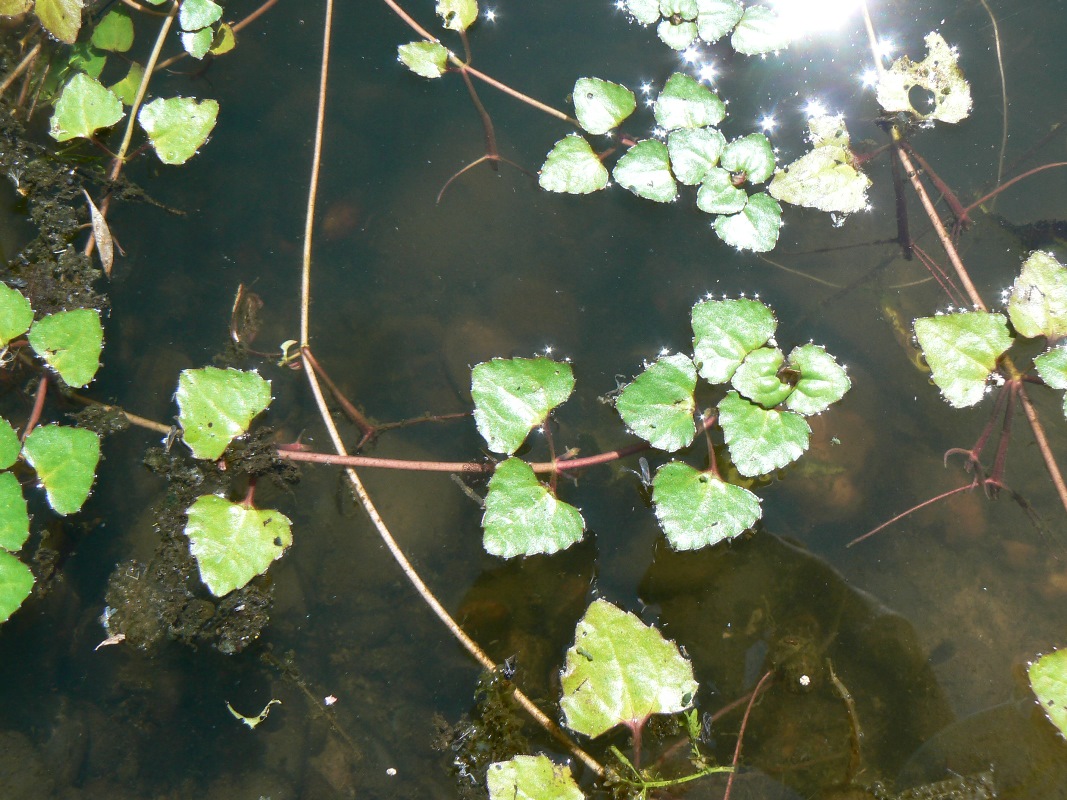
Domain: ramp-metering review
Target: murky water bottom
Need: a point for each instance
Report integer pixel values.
(929, 624)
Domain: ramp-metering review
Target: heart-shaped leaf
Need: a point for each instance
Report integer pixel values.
(1038, 303)
(1048, 680)
(601, 105)
(760, 31)
(761, 440)
(428, 59)
(676, 33)
(658, 405)
(697, 509)
(757, 377)
(718, 195)
(197, 14)
(65, 461)
(693, 152)
(178, 126)
(962, 350)
(215, 406)
(725, 331)
(531, 778)
(645, 170)
(751, 155)
(457, 15)
(644, 11)
(716, 18)
(822, 380)
(84, 107)
(61, 18)
(512, 396)
(573, 167)
(621, 671)
(523, 517)
(825, 178)
(70, 342)
(16, 314)
(756, 228)
(232, 543)
(16, 583)
(687, 103)
(114, 32)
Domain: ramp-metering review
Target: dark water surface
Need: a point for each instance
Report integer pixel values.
(930, 624)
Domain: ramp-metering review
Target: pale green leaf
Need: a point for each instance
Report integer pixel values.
(523, 517)
(677, 34)
(16, 314)
(1038, 304)
(760, 31)
(1052, 367)
(761, 440)
(224, 40)
(177, 126)
(621, 671)
(725, 331)
(658, 405)
(822, 380)
(197, 14)
(61, 18)
(126, 89)
(197, 43)
(457, 15)
(716, 18)
(114, 32)
(12, 8)
(70, 342)
(9, 444)
(825, 178)
(601, 105)
(215, 406)
(428, 59)
(84, 107)
(65, 461)
(755, 228)
(16, 583)
(718, 195)
(531, 778)
(644, 11)
(687, 103)
(757, 377)
(512, 396)
(693, 152)
(751, 155)
(1048, 680)
(232, 543)
(573, 167)
(645, 170)
(684, 9)
(697, 509)
(938, 73)
(962, 350)
(83, 57)
(14, 519)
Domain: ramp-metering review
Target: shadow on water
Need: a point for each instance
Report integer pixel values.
(927, 626)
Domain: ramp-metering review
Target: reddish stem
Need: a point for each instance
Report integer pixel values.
(365, 425)
(741, 733)
(958, 211)
(1013, 181)
(38, 406)
(912, 510)
(250, 494)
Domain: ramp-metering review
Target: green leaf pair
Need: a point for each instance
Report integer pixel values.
(679, 23)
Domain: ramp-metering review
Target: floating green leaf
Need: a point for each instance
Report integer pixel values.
(14, 519)
(644, 11)
(224, 40)
(756, 228)
(962, 350)
(573, 167)
(601, 105)
(126, 89)
(523, 517)
(718, 195)
(761, 440)
(1052, 367)
(1048, 680)
(531, 778)
(16, 583)
(825, 178)
(177, 126)
(822, 380)
(1038, 304)
(115, 31)
(197, 43)
(716, 18)
(61, 18)
(65, 461)
(428, 59)
(621, 671)
(512, 396)
(215, 406)
(645, 170)
(693, 152)
(232, 543)
(658, 405)
(9, 444)
(938, 73)
(686, 103)
(757, 377)
(197, 14)
(83, 57)
(11, 8)
(760, 31)
(70, 342)
(84, 107)
(16, 314)
(751, 155)
(697, 509)
(677, 33)
(457, 15)
(725, 331)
